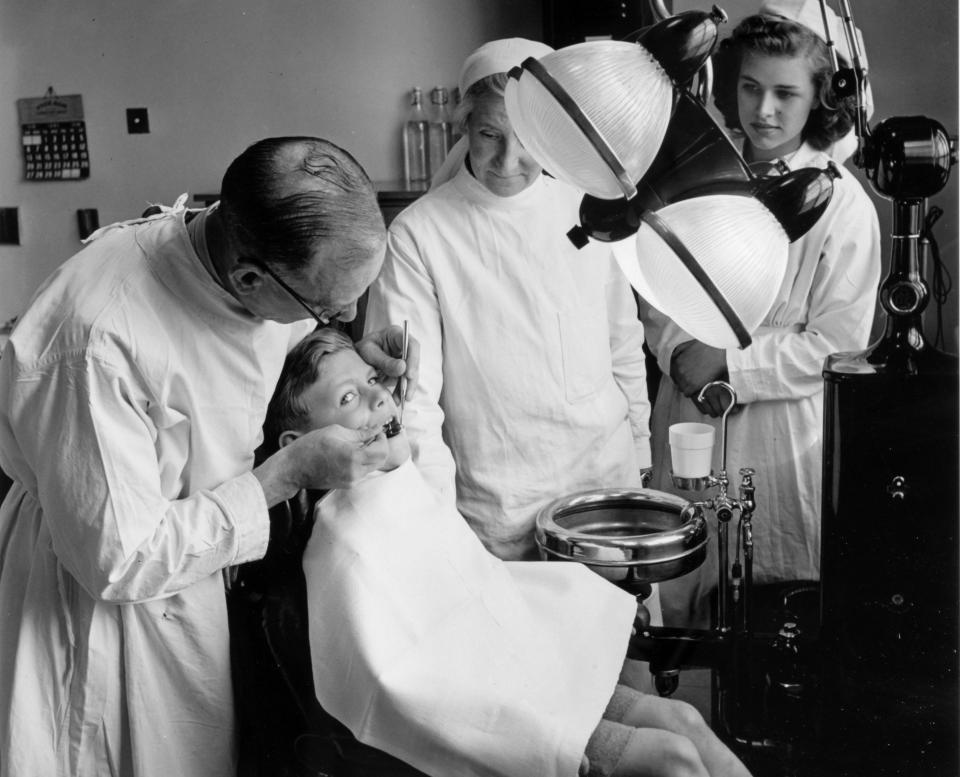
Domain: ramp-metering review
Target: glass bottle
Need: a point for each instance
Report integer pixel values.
(416, 170)
(441, 128)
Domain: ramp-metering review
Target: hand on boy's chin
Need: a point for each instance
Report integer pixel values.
(333, 457)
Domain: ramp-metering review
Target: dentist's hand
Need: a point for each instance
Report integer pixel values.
(332, 457)
(382, 350)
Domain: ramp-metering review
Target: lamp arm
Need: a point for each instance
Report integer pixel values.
(853, 40)
(859, 69)
(705, 82)
(831, 47)
(850, 80)
(704, 87)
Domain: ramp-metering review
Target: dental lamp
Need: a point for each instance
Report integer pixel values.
(615, 119)
(875, 689)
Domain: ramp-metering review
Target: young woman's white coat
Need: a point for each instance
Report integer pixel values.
(824, 305)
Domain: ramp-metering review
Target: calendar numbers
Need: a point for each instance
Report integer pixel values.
(55, 151)
(54, 137)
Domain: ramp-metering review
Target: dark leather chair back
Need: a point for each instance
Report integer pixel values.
(284, 732)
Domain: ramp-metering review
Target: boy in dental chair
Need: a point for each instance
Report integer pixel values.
(428, 647)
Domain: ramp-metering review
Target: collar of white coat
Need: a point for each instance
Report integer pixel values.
(179, 206)
(479, 194)
(806, 156)
(839, 151)
(167, 247)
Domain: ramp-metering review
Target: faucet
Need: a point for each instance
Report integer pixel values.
(724, 506)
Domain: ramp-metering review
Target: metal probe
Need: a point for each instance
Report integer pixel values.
(393, 427)
(402, 380)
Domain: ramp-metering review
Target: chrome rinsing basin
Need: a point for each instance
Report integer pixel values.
(626, 535)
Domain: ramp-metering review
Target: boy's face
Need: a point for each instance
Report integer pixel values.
(348, 392)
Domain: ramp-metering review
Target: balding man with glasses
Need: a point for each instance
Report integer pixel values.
(132, 395)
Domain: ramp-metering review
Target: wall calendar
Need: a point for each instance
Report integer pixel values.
(54, 137)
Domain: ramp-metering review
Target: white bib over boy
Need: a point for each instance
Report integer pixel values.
(430, 648)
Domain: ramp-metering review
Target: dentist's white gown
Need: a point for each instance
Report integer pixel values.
(825, 304)
(132, 395)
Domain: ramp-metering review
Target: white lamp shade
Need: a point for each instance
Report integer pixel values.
(619, 87)
(739, 244)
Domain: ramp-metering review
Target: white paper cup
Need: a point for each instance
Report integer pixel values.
(691, 449)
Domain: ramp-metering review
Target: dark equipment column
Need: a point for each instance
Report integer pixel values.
(889, 553)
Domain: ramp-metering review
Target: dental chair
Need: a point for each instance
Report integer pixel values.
(283, 730)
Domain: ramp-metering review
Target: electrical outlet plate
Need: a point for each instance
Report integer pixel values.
(137, 121)
(9, 226)
(88, 221)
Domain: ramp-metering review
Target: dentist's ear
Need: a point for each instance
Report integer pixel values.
(246, 277)
(288, 437)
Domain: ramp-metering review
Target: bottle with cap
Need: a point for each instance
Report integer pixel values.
(787, 695)
(416, 169)
(441, 127)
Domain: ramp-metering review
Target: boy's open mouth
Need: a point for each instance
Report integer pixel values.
(391, 428)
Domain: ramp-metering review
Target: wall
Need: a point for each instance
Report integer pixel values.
(219, 74)
(215, 76)
(912, 53)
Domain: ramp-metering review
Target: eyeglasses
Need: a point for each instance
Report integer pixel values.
(322, 319)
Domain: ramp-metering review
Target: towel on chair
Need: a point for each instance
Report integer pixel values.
(428, 647)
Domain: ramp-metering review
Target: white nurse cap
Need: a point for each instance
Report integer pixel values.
(498, 56)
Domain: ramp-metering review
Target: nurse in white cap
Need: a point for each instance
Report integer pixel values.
(532, 381)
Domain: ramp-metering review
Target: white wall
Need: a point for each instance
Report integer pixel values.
(912, 52)
(219, 74)
(215, 75)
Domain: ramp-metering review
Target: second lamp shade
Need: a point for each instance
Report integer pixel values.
(739, 244)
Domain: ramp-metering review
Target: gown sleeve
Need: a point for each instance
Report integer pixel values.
(82, 424)
(405, 290)
(787, 362)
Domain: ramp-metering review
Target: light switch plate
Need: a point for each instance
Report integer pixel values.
(137, 121)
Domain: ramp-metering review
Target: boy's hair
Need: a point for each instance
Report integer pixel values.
(301, 369)
(779, 37)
